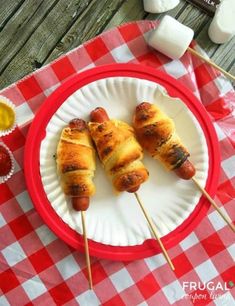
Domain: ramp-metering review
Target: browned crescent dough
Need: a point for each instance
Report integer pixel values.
(156, 133)
(120, 153)
(76, 162)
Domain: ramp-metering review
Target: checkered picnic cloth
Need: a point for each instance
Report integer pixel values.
(37, 268)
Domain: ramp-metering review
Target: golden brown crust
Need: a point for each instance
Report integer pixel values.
(78, 183)
(156, 133)
(107, 137)
(131, 179)
(124, 160)
(76, 162)
(119, 153)
(74, 157)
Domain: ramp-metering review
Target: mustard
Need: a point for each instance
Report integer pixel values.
(7, 116)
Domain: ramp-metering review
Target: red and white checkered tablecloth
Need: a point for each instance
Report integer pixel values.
(37, 268)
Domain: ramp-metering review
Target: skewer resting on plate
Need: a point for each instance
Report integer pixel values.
(156, 133)
(88, 263)
(121, 157)
(209, 198)
(154, 231)
(76, 165)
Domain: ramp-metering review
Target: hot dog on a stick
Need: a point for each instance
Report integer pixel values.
(118, 151)
(121, 155)
(76, 165)
(156, 133)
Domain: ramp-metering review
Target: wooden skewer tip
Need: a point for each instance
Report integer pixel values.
(154, 231)
(88, 263)
(205, 193)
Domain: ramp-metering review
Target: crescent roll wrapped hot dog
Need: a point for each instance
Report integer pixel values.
(118, 150)
(76, 163)
(156, 133)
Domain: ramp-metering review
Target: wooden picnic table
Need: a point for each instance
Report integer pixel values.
(35, 32)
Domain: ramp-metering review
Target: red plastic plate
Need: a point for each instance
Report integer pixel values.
(37, 133)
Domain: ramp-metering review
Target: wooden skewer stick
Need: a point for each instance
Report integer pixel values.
(88, 263)
(154, 231)
(230, 224)
(211, 63)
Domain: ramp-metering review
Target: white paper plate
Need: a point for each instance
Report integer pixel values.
(118, 220)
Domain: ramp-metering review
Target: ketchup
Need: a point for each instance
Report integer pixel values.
(5, 161)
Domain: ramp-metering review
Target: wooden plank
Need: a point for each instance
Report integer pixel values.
(129, 11)
(23, 23)
(77, 22)
(175, 12)
(8, 8)
(193, 18)
(88, 25)
(42, 40)
(134, 10)
(222, 55)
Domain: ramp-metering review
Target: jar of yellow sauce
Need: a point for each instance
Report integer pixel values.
(7, 116)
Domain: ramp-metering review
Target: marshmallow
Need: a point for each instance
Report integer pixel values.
(222, 27)
(171, 37)
(159, 6)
